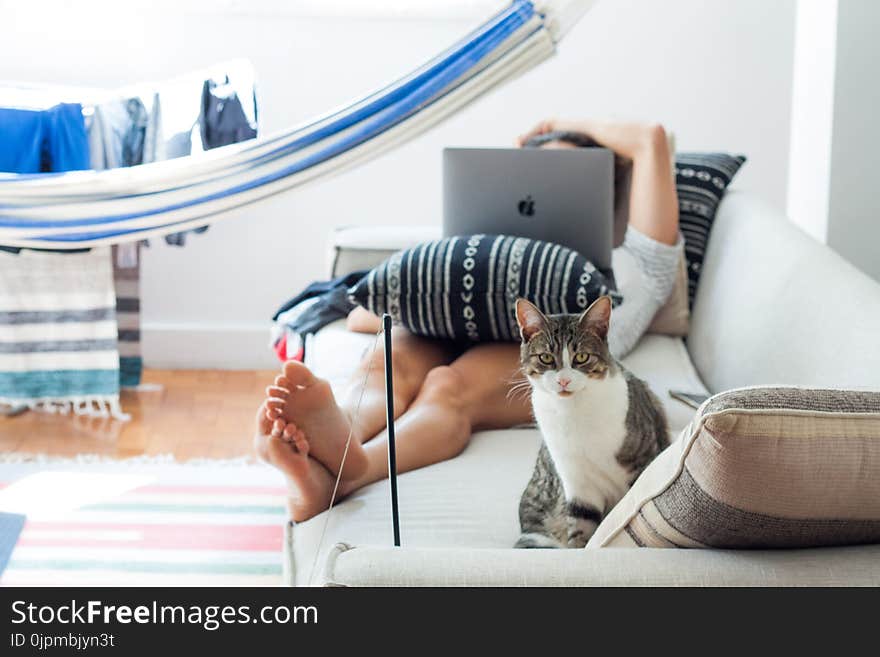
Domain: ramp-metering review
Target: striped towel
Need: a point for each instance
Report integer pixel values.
(58, 332)
(126, 280)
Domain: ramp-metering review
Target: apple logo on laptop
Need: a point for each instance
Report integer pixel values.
(526, 206)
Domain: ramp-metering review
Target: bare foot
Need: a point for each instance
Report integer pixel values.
(300, 398)
(285, 447)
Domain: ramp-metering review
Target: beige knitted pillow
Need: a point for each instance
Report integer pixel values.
(768, 467)
(674, 316)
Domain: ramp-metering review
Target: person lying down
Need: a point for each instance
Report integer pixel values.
(443, 391)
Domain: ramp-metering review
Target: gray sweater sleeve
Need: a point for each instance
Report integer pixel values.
(644, 295)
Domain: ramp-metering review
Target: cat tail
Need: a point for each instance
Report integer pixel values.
(541, 506)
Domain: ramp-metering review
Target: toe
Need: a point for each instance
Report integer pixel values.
(264, 422)
(301, 444)
(277, 392)
(289, 432)
(278, 428)
(274, 411)
(297, 374)
(282, 382)
(282, 456)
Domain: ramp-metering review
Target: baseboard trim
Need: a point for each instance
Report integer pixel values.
(204, 346)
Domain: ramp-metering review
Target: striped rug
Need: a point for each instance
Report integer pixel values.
(142, 522)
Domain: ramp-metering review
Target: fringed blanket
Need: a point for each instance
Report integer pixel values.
(126, 279)
(58, 332)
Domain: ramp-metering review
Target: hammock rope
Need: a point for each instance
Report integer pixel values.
(90, 208)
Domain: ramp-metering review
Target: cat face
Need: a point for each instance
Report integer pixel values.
(563, 354)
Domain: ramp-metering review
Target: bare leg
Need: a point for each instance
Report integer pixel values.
(472, 393)
(414, 357)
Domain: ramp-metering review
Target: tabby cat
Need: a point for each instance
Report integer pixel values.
(601, 425)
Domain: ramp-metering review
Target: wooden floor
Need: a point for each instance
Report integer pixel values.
(197, 414)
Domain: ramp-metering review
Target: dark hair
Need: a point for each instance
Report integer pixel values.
(578, 139)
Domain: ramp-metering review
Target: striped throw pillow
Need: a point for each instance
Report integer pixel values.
(465, 288)
(768, 467)
(700, 180)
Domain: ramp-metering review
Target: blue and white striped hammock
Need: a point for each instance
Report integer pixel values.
(91, 208)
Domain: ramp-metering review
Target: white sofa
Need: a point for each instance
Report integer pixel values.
(773, 306)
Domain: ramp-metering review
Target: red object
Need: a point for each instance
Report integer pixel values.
(281, 349)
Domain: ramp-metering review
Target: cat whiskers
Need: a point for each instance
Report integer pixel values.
(519, 387)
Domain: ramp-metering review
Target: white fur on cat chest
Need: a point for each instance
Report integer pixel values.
(584, 433)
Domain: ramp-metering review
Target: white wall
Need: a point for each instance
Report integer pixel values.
(718, 73)
(812, 115)
(834, 134)
(854, 206)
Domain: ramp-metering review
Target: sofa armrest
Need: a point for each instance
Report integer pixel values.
(386, 566)
(364, 247)
(771, 291)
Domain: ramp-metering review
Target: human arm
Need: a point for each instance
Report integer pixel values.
(653, 202)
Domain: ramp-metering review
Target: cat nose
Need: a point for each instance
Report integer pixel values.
(563, 382)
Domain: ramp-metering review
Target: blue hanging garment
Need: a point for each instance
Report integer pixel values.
(43, 140)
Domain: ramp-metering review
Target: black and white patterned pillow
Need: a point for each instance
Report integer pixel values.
(465, 288)
(701, 180)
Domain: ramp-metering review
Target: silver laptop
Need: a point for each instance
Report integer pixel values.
(556, 195)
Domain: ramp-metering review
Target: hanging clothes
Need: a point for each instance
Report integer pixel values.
(124, 133)
(39, 137)
(43, 140)
(222, 119)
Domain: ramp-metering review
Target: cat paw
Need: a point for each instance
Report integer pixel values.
(534, 541)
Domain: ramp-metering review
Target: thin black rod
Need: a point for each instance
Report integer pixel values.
(389, 418)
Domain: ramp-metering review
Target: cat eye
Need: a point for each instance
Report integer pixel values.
(580, 358)
(546, 358)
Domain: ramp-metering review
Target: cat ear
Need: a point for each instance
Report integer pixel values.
(530, 319)
(597, 317)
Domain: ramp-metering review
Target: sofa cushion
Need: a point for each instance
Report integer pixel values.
(471, 500)
(463, 502)
(465, 288)
(761, 468)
